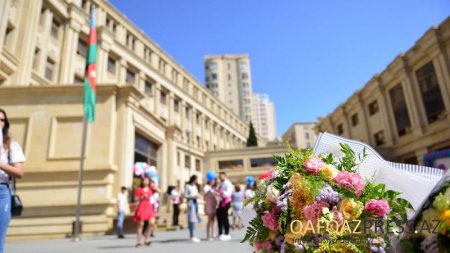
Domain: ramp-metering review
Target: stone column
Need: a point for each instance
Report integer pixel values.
(413, 100)
(347, 123)
(170, 108)
(5, 6)
(364, 121)
(105, 40)
(442, 68)
(69, 46)
(385, 110)
(29, 27)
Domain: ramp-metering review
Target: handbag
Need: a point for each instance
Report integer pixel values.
(16, 203)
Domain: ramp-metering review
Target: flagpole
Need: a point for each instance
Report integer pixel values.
(80, 181)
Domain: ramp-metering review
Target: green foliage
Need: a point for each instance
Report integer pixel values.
(256, 230)
(349, 162)
(252, 141)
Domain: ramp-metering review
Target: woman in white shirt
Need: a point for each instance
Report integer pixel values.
(11, 165)
(191, 195)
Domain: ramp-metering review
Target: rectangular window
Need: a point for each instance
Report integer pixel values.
(373, 108)
(262, 162)
(228, 65)
(176, 105)
(148, 88)
(9, 36)
(355, 119)
(188, 112)
(78, 79)
(379, 138)
(197, 139)
(307, 136)
(49, 69)
(198, 165)
(243, 65)
(145, 150)
(178, 158)
(163, 98)
(411, 160)
(82, 48)
(197, 118)
(111, 65)
(400, 110)
(340, 129)
(54, 31)
(230, 164)
(187, 161)
(244, 75)
(37, 56)
(229, 76)
(213, 76)
(130, 77)
(431, 93)
(245, 85)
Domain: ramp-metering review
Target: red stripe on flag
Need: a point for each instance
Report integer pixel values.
(91, 73)
(92, 37)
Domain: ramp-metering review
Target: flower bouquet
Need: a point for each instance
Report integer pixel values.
(317, 204)
(431, 224)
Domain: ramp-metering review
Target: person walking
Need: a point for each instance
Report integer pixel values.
(237, 203)
(175, 196)
(191, 195)
(225, 191)
(144, 211)
(11, 166)
(210, 203)
(121, 205)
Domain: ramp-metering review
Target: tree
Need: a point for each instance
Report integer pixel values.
(252, 141)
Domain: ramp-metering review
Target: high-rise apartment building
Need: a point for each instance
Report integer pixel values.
(263, 116)
(228, 77)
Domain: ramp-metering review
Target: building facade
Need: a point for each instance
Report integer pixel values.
(403, 112)
(263, 116)
(228, 77)
(301, 135)
(240, 163)
(148, 109)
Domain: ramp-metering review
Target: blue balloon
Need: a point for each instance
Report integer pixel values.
(156, 178)
(210, 175)
(250, 180)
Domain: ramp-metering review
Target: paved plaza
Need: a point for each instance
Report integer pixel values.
(167, 242)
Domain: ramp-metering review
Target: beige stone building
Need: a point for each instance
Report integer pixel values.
(148, 109)
(240, 163)
(404, 111)
(263, 116)
(229, 79)
(301, 135)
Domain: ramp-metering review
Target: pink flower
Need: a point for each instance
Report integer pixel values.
(314, 211)
(337, 216)
(266, 245)
(379, 208)
(350, 180)
(270, 220)
(312, 164)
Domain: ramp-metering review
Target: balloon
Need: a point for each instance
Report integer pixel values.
(139, 168)
(210, 175)
(250, 180)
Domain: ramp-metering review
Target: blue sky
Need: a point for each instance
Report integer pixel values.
(309, 56)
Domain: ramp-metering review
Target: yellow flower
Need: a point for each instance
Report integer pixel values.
(350, 209)
(329, 171)
(272, 236)
(445, 217)
(291, 238)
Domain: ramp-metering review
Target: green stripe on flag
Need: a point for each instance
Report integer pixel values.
(89, 101)
(92, 54)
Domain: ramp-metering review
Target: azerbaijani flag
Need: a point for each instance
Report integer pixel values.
(89, 76)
